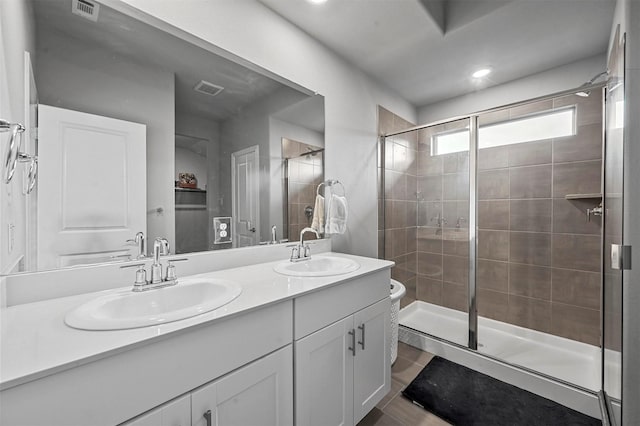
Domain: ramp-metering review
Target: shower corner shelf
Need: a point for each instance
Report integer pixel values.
(583, 196)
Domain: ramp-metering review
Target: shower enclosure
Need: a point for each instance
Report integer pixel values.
(494, 221)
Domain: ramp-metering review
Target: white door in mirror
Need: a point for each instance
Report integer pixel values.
(125, 309)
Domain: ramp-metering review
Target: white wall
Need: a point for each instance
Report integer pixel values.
(249, 30)
(98, 82)
(545, 83)
(16, 36)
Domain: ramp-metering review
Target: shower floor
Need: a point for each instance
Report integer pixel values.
(570, 361)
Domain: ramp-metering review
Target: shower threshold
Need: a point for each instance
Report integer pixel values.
(564, 359)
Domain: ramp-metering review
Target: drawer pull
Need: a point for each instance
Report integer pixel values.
(352, 348)
(361, 343)
(207, 417)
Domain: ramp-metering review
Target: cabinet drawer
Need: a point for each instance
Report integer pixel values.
(317, 310)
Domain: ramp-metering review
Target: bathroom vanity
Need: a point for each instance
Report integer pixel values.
(322, 342)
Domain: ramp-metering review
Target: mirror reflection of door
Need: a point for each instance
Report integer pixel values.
(245, 197)
(92, 187)
(304, 171)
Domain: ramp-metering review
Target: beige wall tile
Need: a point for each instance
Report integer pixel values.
(576, 178)
(493, 184)
(429, 290)
(493, 304)
(581, 252)
(530, 153)
(529, 280)
(585, 145)
(430, 265)
(569, 216)
(455, 269)
(492, 275)
(576, 288)
(531, 313)
(493, 245)
(493, 214)
(429, 239)
(576, 323)
(532, 248)
(455, 296)
(530, 182)
(531, 215)
(493, 158)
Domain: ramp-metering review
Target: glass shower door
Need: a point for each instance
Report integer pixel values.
(443, 229)
(613, 231)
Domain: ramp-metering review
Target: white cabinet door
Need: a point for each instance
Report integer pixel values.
(324, 376)
(174, 413)
(372, 372)
(260, 394)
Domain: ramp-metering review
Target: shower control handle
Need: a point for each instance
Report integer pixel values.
(352, 348)
(361, 343)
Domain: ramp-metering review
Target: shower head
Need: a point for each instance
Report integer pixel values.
(586, 93)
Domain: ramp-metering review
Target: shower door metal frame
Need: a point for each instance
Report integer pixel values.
(473, 231)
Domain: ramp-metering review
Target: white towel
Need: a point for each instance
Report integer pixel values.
(318, 215)
(337, 215)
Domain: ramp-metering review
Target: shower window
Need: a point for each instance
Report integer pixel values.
(545, 125)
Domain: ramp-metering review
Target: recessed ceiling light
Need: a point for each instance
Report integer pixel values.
(317, 1)
(481, 73)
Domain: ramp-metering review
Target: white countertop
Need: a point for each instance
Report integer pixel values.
(35, 342)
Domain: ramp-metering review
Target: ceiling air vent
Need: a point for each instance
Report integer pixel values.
(85, 9)
(208, 88)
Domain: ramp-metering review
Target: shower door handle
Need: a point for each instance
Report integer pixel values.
(361, 328)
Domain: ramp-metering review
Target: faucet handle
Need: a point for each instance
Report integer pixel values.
(171, 269)
(141, 273)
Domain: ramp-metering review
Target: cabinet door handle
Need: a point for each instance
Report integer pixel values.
(352, 348)
(207, 417)
(361, 343)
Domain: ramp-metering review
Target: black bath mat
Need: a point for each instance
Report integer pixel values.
(464, 397)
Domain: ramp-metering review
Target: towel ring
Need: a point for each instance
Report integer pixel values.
(331, 182)
(11, 154)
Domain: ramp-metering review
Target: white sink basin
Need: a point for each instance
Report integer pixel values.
(318, 266)
(126, 309)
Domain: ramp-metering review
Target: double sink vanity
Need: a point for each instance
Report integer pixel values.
(271, 343)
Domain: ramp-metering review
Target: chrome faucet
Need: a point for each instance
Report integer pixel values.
(160, 247)
(274, 239)
(302, 251)
(139, 240)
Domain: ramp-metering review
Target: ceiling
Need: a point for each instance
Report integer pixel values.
(117, 37)
(426, 50)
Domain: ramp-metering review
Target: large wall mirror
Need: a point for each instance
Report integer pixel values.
(140, 130)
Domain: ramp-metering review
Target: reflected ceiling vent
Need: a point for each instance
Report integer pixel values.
(85, 9)
(208, 88)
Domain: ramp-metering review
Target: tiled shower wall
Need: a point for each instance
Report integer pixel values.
(538, 256)
(397, 217)
(304, 173)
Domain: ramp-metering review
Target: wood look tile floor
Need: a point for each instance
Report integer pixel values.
(394, 409)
